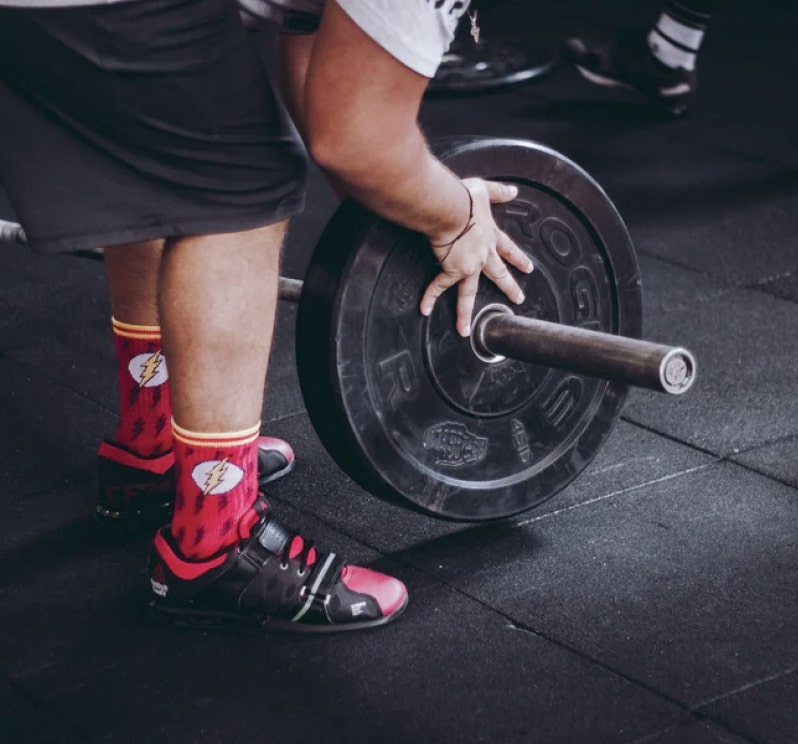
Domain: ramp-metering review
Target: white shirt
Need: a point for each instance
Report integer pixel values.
(416, 32)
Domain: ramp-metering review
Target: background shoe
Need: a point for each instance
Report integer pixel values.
(272, 579)
(627, 62)
(140, 491)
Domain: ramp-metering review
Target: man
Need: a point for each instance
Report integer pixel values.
(659, 65)
(148, 127)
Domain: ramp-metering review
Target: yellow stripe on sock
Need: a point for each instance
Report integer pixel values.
(216, 439)
(128, 330)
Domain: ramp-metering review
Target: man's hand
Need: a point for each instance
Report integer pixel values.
(483, 248)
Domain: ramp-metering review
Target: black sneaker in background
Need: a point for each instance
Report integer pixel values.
(627, 62)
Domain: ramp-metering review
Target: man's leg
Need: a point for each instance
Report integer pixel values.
(218, 296)
(676, 38)
(135, 467)
(225, 558)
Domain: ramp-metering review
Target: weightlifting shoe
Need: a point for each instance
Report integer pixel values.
(272, 580)
(134, 491)
(628, 62)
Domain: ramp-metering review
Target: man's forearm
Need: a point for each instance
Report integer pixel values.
(397, 178)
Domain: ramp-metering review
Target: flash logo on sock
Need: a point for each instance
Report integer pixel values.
(215, 477)
(148, 370)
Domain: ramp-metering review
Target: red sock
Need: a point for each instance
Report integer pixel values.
(217, 483)
(145, 405)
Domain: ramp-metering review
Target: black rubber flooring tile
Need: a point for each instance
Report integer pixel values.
(741, 97)
(86, 366)
(698, 733)
(23, 720)
(766, 712)
(74, 637)
(50, 434)
(420, 679)
(778, 460)
(37, 725)
(744, 394)
(740, 229)
(686, 586)
(54, 298)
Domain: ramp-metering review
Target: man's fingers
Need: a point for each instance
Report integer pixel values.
(509, 251)
(466, 297)
(436, 288)
(496, 270)
(500, 192)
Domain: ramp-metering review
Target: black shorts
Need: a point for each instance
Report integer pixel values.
(140, 120)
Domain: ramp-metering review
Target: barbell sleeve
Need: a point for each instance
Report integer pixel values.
(11, 232)
(645, 364)
(290, 289)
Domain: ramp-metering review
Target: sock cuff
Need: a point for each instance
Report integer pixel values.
(142, 333)
(215, 439)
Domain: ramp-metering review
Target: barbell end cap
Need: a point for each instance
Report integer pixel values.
(677, 371)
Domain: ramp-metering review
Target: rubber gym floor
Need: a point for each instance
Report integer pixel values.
(653, 600)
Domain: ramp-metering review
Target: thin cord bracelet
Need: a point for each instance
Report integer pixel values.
(469, 225)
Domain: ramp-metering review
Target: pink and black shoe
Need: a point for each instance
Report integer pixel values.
(135, 491)
(272, 580)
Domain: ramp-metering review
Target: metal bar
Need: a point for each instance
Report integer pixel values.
(290, 289)
(11, 232)
(645, 364)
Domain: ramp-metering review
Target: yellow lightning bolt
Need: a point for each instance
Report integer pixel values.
(215, 476)
(150, 368)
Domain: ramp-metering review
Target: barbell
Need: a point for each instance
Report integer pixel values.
(486, 427)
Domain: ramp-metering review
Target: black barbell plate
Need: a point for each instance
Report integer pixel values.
(404, 405)
(469, 68)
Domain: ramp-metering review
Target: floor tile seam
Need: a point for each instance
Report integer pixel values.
(762, 445)
(584, 656)
(64, 386)
(744, 688)
(648, 738)
(723, 457)
(722, 291)
(725, 287)
(717, 456)
(768, 476)
(285, 416)
(611, 494)
(695, 712)
(721, 149)
(760, 287)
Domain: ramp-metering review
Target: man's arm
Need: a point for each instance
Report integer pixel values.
(359, 115)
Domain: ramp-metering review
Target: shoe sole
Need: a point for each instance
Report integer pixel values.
(277, 474)
(180, 617)
(606, 82)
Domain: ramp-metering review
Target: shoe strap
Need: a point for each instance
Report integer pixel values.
(318, 588)
(271, 535)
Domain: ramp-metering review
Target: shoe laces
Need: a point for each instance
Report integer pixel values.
(302, 550)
